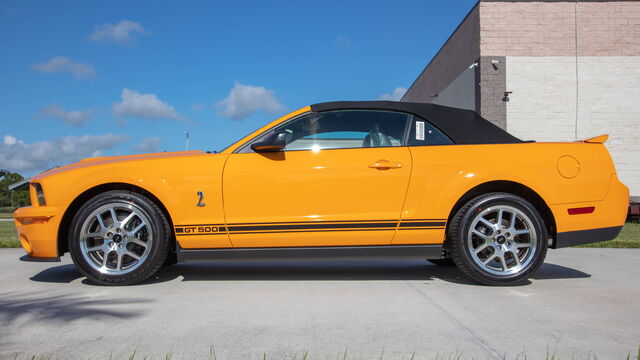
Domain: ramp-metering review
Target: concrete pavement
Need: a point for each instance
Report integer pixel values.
(582, 302)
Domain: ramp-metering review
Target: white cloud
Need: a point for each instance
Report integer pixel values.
(198, 106)
(75, 118)
(10, 140)
(61, 64)
(143, 106)
(148, 145)
(342, 42)
(244, 100)
(397, 94)
(123, 32)
(17, 155)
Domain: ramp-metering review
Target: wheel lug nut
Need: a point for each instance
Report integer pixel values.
(118, 230)
(109, 234)
(119, 245)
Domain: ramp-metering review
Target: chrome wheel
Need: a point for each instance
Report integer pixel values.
(502, 240)
(116, 238)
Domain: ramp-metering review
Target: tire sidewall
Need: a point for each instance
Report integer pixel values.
(494, 200)
(158, 251)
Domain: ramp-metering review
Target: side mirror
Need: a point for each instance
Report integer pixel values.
(273, 142)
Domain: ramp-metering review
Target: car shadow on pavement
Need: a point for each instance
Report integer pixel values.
(42, 307)
(552, 272)
(355, 270)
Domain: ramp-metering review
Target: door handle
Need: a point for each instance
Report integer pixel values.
(385, 164)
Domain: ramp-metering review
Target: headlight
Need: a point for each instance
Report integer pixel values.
(39, 194)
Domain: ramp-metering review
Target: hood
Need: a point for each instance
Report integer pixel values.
(97, 161)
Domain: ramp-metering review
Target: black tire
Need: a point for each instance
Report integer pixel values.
(460, 228)
(447, 262)
(155, 254)
(172, 259)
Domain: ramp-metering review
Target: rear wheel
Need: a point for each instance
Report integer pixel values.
(498, 239)
(119, 238)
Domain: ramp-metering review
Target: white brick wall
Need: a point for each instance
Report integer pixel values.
(543, 103)
(542, 106)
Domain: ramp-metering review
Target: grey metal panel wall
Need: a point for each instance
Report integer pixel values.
(461, 93)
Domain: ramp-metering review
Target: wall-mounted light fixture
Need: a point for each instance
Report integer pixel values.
(474, 65)
(506, 96)
(495, 63)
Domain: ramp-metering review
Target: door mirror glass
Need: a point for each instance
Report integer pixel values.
(273, 142)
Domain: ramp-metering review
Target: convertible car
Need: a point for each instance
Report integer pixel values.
(373, 179)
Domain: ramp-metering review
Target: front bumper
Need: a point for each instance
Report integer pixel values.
(38, 231)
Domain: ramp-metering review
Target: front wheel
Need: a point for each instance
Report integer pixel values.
(119, 238)
(498, 239)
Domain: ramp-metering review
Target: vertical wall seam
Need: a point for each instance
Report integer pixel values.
(577, 72)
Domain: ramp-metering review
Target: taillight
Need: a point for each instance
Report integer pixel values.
(581, 210)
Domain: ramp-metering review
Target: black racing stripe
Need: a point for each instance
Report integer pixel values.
(234, 228)
(310, 230)
(422, 223)
(189, 225)
(424, 219)
(316, 222)
(202, 234)
(423, 228)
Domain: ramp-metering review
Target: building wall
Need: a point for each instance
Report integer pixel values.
(527, 28)
(492, 87)
(542, 105)
(461, 93)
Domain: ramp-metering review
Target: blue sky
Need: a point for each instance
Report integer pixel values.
(83, 78)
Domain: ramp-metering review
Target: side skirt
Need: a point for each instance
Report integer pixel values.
(29, 258)
(321, 252)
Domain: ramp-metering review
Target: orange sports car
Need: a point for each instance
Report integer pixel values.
(374, 179)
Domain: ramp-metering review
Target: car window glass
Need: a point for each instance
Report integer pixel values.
(423, 133)
(345, 129)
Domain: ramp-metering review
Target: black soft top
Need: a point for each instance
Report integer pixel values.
(462, 126)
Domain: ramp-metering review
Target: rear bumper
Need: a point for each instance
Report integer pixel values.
(604, 223)
(581, 237)
(38, 230)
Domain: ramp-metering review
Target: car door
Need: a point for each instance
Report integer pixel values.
(340, 180)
